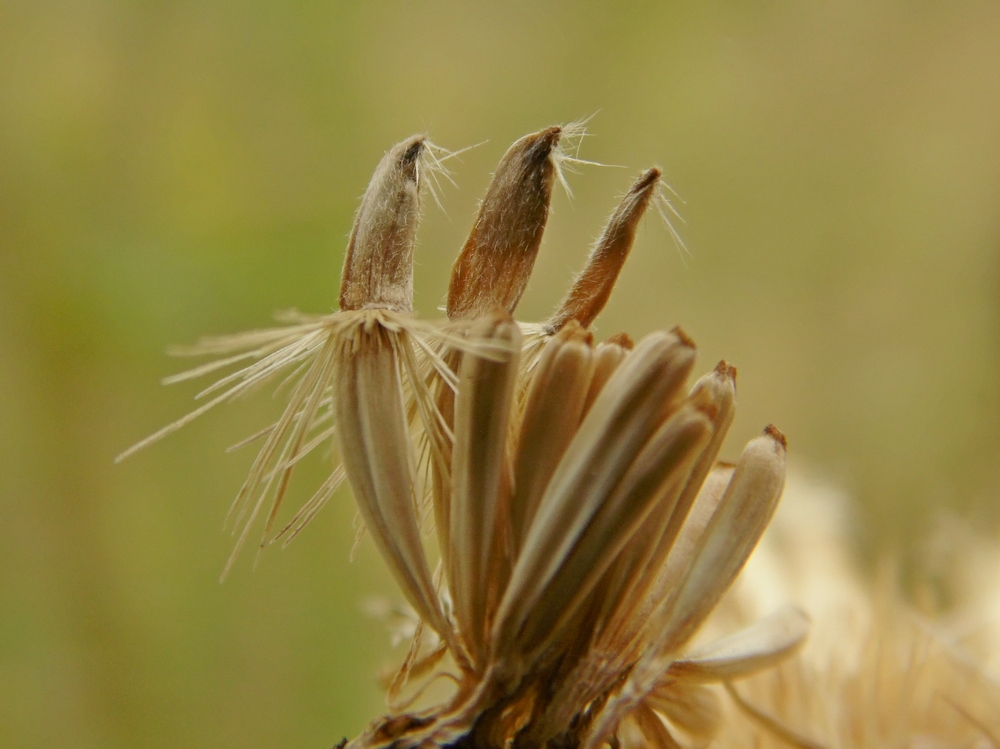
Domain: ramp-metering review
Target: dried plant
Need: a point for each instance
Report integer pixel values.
(584, 526)
(876, 671)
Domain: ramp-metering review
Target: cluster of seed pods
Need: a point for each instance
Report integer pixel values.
(584, 526)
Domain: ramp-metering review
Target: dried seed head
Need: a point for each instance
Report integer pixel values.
(493, 267)
(378, 268)
(592, 288)
(583, 531)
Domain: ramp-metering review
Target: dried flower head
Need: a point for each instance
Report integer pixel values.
(584, 526)
(876, 671)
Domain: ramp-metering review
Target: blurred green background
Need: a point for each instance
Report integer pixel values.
(169, 169)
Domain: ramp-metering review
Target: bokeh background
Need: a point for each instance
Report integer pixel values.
(169, 169)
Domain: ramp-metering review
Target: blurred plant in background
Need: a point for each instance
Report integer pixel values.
(167, 168)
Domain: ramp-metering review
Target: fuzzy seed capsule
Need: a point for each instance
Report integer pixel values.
(378, 268)
(493, 267)
(592, 288)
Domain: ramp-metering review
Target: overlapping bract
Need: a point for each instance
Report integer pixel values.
(585, 528)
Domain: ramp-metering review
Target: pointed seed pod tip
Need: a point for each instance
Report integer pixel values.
(592, 288)
(493, 268)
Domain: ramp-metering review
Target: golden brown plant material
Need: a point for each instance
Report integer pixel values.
(493, 268)
(584, 528)
(592, 288)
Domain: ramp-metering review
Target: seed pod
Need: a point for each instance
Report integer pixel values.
(375, 447)
(663, 463)
(607, 357)
(706, 501)
(378, 268)
(708, 566)
(717, 392)
(592, 288)
(368, 399)
(736, 525)
(553, 410)
(637, 569)
(759, 646)
(717, 388)
(493, 267)
(614, 632)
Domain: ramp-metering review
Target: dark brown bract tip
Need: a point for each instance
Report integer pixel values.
(685, 338)
(648, 179)
(541, 144)
(726, 369)
(774, 433)
(622, 339)
(575, 331)
(412, 153)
